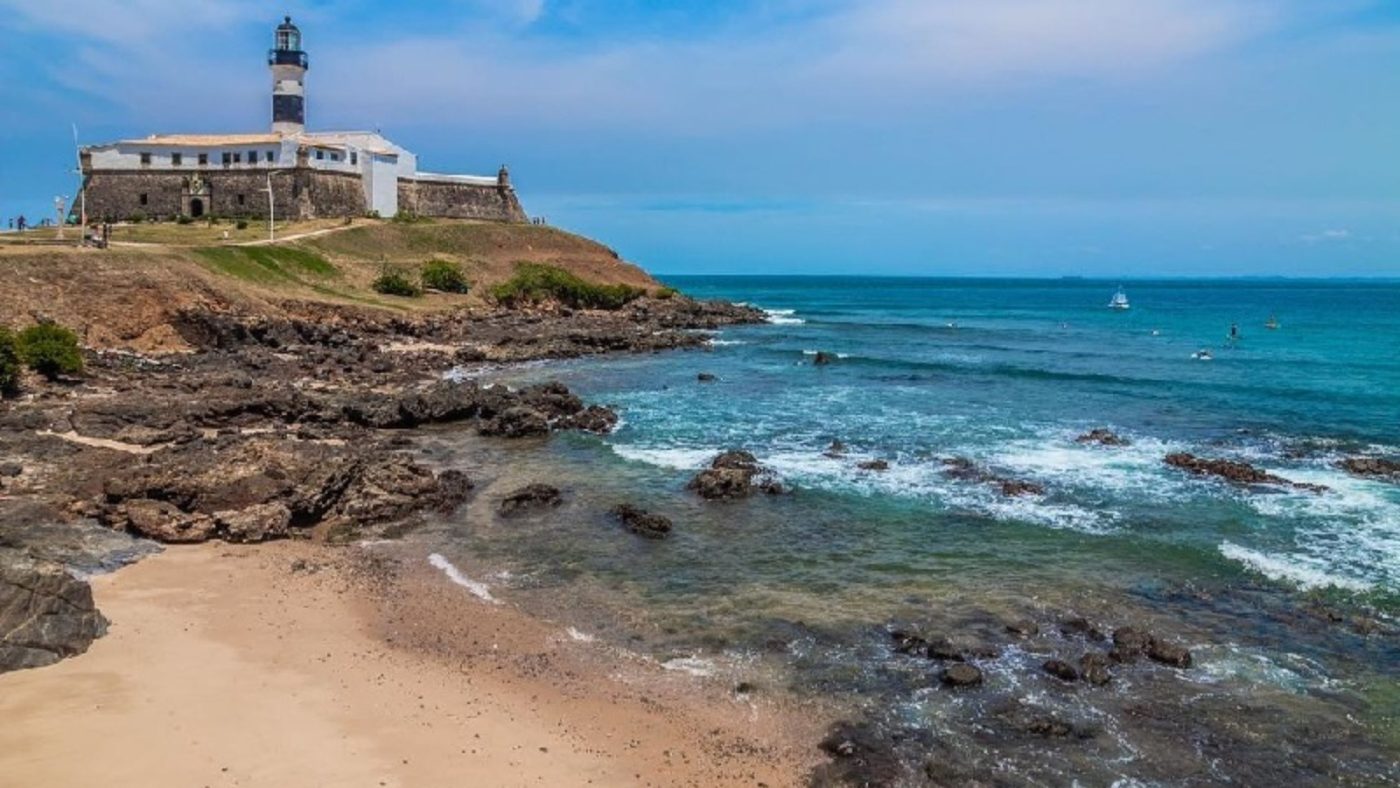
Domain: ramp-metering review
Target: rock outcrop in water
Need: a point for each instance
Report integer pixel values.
(963, 469)
(734, 475)
(1372, 468)
(1103, 437)
(1241, 473)
(531, 497)
(642, 522)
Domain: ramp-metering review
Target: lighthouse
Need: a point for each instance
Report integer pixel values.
(288, 63)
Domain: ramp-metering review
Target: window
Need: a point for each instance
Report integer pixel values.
(145, 160)
(320, 154)
(271, 156)
(203, 159)
(240, 199)
(228, 158)
(237, 158)
(354, 158)
(144, 199)
(252, 157)
(176, 159)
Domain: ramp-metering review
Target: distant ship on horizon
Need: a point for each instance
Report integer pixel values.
(1119, 300)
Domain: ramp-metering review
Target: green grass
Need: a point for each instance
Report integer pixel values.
(267, 265)
(534, 283)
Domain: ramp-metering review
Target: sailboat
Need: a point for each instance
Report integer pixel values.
(1119, 300)
(1272, 325)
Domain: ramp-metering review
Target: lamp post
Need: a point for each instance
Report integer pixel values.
(271, 210)
(59, 204)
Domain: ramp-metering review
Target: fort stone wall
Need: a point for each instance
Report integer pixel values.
(457, 200)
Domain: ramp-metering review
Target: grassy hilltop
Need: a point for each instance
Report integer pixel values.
(125, 296)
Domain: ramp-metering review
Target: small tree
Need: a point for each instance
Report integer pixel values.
(393, 281)
(9, 363)
(445, 276)
(51, 350)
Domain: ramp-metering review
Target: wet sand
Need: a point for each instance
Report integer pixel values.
(299, 664)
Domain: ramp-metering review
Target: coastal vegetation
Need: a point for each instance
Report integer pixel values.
(536, 283)
(50, 350)
(10, 362)
(392, 280)
(445, 276)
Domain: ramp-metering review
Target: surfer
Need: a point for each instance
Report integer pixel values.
(1234, 332)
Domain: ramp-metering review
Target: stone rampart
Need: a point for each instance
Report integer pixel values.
(458, 200)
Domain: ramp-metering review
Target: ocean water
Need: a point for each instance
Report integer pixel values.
(1005, 373)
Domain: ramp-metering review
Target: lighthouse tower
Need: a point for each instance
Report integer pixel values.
(288, 63)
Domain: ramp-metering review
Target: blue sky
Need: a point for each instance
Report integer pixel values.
(990, 137)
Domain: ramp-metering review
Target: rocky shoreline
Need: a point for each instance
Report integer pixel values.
(273, 428)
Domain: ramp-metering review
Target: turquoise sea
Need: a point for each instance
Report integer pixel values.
(1288, 598)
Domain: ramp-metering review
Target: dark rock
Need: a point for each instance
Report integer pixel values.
(1169, 653)
(10, 470)
(823, 358)
(642, 523)
(706, 377)
(1014, 488)
(1080, 627)
(46, 613)
(908, 643)
(594, 418)
(734, 475)
(735, 460)
(1102, 437)
(873, 465)
(162, 521)
(1061, 670)
(961, 675)
(517, 422)
(1372, 468)
(532, 496)
(255, 523)
(861, 755)
(1241, 473)
(1023, 627)
(836, 450)
(1129, 644)
(1093, 666)
(745, 688)
(943, 649)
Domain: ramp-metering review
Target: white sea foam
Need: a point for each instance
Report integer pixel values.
(726, 342)
(814, 352)
(783, 317)
(1302, 570)
(695, 666)
(677, 458)
(454, 574)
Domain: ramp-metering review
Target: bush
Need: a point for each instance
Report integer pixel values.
(393, 281)
(182, 219)
(51, 350)
(667, 293)
(9, 363)
(242, 224)
(409, 217)
(535, 282)
(445, 276)
(136, 218)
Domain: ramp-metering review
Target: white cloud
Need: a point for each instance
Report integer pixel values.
(1326, 236)
(130, 23)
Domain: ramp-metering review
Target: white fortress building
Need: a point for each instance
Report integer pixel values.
(305, 174)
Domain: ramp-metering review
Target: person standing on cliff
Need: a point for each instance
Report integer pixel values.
(21, 223)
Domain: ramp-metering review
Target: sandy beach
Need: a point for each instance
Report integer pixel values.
(299, 664)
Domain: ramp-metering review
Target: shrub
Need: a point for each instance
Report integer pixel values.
(535, 282)
(445, 276)
(409, 217)
(242, 224)
(182, 219)
(51, 350)
(9, 363)
(393, 281)
(667, 293)
(136, 218)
